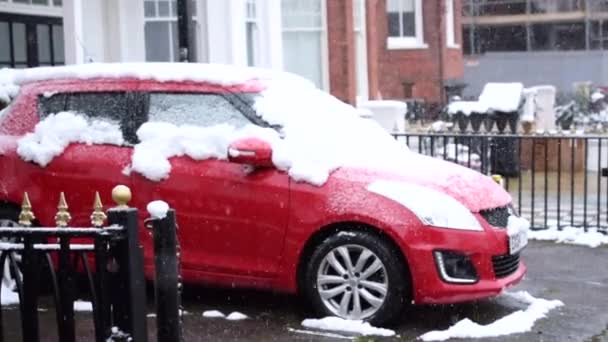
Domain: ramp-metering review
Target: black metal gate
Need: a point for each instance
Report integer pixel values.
(116, 282)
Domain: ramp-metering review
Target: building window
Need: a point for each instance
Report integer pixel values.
(252, 32)
(29, 41)
(405, 27)
(450, 29)
(162, 44)
(305, 39)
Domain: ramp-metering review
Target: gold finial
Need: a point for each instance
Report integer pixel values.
(498, 179)
(63, 217)
(27, 215)
(121, 194)
(98, 216)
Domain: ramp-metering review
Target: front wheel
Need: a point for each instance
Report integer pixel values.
(10, 275)
(357, 275)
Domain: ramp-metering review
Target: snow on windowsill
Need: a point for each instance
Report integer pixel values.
(404, 43)
(517, 322)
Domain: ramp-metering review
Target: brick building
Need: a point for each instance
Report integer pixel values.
(355, 49)
(413, 49)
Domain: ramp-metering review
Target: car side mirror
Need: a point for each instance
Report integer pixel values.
(251, 151)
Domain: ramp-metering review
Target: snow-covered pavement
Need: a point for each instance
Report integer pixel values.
(556, 272)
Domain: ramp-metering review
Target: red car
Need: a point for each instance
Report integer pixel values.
(360, 241)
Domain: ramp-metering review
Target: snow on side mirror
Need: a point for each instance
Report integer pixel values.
(251, 151)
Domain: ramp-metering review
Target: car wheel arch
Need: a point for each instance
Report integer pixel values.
(347, 226)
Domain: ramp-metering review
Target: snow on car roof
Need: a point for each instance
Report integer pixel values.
(163, 72)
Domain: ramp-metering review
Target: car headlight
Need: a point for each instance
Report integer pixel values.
(432, 207)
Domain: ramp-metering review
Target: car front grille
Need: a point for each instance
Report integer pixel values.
(497, 217)
(505, 265)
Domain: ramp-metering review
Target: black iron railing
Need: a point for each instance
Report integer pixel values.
(554, 180)
(116, 285)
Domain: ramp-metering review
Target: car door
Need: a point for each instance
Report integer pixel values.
(232, 220)
(82, 169)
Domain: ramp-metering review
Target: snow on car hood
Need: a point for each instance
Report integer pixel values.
(471, 188)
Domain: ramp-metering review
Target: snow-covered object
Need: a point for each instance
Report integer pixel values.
(529, 109)
(236, 316)
(597, 96)
(9, 297)
(52, 135)
(81, 305)
(502, 97)
(213, 314)
(158, 209)
(467, 107)
(8, 89)
(351, 326)
(517, 322)
(388, 113)
(570, 235)
(517, 224)
(432, 207)
(545, 107)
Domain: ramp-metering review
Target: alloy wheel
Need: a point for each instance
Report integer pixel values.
(352, 282)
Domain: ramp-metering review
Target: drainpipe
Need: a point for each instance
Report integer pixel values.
(440, 47)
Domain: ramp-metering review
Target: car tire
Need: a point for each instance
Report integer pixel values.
(382, 294)
(9, 217)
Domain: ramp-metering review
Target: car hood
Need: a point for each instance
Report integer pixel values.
(471, 188)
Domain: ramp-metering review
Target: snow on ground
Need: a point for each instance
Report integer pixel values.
(213, 314)
(81, 305)
(317, 333)
(343, 325)
(233, 316)
(517, 322)
(236, 316)
(9, 297)
(158, 209)
(570, 235)
(467, 107)
(52, 135)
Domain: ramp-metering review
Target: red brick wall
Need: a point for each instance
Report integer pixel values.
(426, 68)
(342, 63)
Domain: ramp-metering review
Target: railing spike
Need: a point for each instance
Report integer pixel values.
(63, 217)
(26, 216)
(98, 216)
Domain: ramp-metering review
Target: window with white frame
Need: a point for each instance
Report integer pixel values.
(161, 33)
(252, 32)
(450, 29)
(36, 2)
(305, 39)
(405, 26)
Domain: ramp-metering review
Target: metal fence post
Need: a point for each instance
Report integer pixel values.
(28, 296)
(167, 280)
(129, 296)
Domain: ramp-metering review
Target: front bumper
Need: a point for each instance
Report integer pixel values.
(480, 247)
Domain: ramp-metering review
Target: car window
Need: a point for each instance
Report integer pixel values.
(118, 107)
(194, 109)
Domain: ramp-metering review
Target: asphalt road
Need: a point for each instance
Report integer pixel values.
(578, 276)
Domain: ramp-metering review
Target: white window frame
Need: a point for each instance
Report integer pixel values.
(324, 43)
(450, 30)
(48, 10)
(171, 18)
(255, 21)
(407, 42)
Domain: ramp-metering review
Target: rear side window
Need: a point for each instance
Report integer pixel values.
(123, 108)
(194, 109)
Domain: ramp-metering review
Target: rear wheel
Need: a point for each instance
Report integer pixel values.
(10, 218)
(357, 275)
